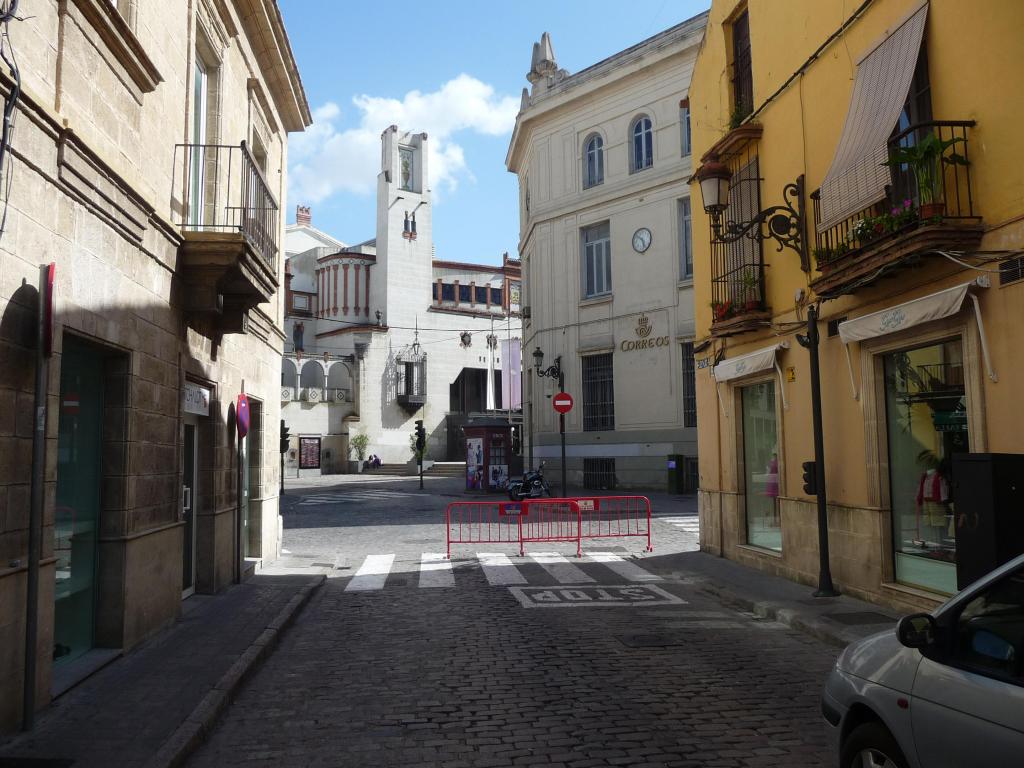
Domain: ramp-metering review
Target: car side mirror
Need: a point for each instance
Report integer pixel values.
(918, 630)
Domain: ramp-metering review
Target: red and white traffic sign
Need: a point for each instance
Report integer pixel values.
(562, 402)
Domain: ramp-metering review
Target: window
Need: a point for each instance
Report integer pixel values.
(691, 474)
(496, 296)
(597, 261)
(685, 240)
(686, 138)
(447, 292)
(643, 144)
(593, 161)
(300, 302)
(598, 393)
(405, 168)
(464, 294)
(761, 466)
(742, 77)
(599, 474)
(481, 294)
(990, 629)
(689, 387)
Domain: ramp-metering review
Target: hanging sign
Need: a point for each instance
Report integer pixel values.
(197, 399)
(242, 415)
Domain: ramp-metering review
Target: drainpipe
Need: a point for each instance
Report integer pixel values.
(44, 330)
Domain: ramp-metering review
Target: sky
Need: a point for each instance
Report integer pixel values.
(453, 69)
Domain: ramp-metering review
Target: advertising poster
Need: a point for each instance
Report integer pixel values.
(474, 463)
(499, 476)
(309, 453)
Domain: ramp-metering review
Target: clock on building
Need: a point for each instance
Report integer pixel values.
(641, 240)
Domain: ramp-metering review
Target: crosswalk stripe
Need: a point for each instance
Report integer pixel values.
(678, 519)
(436, 571)
(499, 569)
(561, 569)
(627, 570)
(371, 574)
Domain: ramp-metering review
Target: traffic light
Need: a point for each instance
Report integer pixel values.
(421, 436)
(285, 434)
(810, 478)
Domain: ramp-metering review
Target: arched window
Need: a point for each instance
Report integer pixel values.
(643, 144)
(593, 161)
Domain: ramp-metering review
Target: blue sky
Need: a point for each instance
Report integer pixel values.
(453, 69)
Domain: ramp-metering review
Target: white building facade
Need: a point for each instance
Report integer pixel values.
(382, 334)
(603, 159)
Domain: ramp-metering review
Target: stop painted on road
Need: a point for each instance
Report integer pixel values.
(629, 595)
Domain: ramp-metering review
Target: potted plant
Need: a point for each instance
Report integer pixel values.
(925, 160)
(751, 302)
(722, 310)
(358, 444)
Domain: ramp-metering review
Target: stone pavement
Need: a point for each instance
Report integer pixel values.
(145, 708)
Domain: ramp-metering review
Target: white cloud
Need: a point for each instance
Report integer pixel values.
(325, 160)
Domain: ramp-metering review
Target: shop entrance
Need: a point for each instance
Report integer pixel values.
(189, 502)
(77, 513)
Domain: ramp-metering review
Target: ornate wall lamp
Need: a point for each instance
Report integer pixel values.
(783, 223)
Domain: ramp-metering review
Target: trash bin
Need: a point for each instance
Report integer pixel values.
(676, 474)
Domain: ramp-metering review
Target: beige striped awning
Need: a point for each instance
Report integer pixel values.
(857, 177)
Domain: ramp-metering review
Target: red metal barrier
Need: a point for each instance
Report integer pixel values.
(613, 517)
(548, 520)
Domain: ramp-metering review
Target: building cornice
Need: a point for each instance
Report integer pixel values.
(506, 270)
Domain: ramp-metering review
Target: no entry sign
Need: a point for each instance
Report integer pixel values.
(562, 402)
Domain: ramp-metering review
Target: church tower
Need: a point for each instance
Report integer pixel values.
(403, 274)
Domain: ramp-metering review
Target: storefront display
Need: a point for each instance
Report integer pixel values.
(926, 420)
(761, 466)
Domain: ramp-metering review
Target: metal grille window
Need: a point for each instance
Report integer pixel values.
(685, 240)
(742, 77)
(737, 282)
(1011, 271)
(599, 474)
(643, 143)
(593, 162)
(598, 393)
(689, 387)
(597, 260)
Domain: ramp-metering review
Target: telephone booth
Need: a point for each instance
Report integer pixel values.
(490, 459)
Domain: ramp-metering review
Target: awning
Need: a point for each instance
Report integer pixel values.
(933, 307)
(858, 177)
(751, 363)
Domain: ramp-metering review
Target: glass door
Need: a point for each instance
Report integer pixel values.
(188, 506)
(198, 158)
(77, 512)
(761, 466)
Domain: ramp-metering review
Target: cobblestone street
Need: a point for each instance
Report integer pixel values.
(398, 666)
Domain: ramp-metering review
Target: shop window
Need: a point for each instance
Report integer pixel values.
(599, 474)
(926, 423)
(689, 387)
(598, 393)
(761, 465)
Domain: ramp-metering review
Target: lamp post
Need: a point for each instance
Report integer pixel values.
(554, 372)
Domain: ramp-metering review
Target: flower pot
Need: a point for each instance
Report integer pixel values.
(932, 210)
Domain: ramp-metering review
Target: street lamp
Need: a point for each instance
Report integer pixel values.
(553, 372)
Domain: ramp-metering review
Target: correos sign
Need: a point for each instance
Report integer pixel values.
(644, 329)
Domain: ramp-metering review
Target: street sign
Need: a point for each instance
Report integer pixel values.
(562, 402)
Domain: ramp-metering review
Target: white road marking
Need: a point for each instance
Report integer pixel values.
(436, 571)
(561, 569)
(692, 519)
(627, 570)
(499, 569)
(618, 596)
(371, 574)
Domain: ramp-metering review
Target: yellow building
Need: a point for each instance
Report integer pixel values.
(893, 121)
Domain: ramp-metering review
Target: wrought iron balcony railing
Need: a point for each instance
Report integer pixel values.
(225, 191)
(924, 193)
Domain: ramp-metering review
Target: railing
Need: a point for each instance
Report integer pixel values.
(316, 394)
(225, 191)
(901, 209)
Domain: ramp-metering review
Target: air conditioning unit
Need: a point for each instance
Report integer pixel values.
(287, 394)
(313, 394)
(339, 395)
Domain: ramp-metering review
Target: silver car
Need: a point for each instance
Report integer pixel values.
(943, 689)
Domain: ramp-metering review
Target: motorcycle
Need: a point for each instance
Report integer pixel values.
(532, 486)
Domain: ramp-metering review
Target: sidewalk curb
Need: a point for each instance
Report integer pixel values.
(820, 629)
(193, 731)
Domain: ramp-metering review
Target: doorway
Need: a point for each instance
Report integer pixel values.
(189, 502)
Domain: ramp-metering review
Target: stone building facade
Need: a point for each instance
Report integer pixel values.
(603, 157)
(382, 334)
(146, 163)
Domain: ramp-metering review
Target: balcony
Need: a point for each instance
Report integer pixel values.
(314, 395)
(906, 226)
(229, 222)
